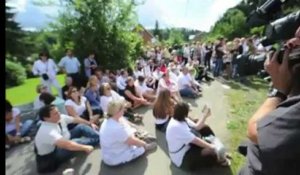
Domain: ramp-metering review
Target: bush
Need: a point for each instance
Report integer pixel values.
(15, 74)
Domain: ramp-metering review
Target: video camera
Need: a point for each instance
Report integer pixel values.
(277, 29)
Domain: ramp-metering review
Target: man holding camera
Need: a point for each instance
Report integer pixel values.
(274, 130)
(47, 69)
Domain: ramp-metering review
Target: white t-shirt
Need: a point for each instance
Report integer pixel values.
(49, 133)
(11, 126)
(79, 109)
(138, 73)
(177, 135)
(104, 100)
(121, 83)
(173, 76)
(113, 136)
(49, 67)
(37, 104)
(141, 88)
(183, 81)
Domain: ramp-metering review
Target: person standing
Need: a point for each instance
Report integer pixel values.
(90, 65)
(71, 66)
(219, 58)
(46, 68)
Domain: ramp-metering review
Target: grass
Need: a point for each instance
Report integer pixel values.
(244, 101)
(26, 92)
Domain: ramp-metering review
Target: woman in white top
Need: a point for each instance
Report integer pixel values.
(46, 68)
(15, 130)
(166, 83)
(142, 88)
(107, 95)
(78, 106)
(118, 142)
(187, 140)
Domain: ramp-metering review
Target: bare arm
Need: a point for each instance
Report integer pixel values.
(17, 120)
(132, 140)
(88, 106)
(72, 146)
(268, 106)
(71, 111)
(201, 143)
(130, 95)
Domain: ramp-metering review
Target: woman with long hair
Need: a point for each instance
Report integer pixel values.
(166, 83)
(78, 106)
(163, 109)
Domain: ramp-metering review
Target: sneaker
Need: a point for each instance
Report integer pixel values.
(69, 171)
(7, 146)
(150, 146)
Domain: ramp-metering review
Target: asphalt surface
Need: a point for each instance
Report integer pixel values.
(20, 160)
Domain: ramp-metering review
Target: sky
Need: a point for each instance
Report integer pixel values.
(193, 14)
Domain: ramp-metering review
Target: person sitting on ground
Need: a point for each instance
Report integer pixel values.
(65, 88)
(133, 96)
(47, 99)
(102, 78)
(92, 94)
(78, 106)
(121, 82)
(188, 148)
(163, 109)
(37, 104)
(119, 144)
(55, 144)
(185, 85)
(166, 83)
(142, 88)
(108, 95)
(15, 131)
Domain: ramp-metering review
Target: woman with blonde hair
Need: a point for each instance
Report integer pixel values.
(119, 144)
(92, 93)
(163, 109)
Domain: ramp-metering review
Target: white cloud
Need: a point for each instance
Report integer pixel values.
(20, 5)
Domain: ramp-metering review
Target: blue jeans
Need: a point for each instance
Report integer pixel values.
(218, 67)
(24, 130)
(81, 134)
(187, 92)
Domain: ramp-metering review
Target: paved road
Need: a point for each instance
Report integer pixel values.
(20, 160)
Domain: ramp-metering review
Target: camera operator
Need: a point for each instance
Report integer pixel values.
(274, 130)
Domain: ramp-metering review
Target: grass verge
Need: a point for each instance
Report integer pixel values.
(26, 92)
(244, 100)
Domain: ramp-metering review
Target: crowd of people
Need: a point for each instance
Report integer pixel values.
(97, 109)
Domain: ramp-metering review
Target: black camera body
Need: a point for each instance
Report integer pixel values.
(278, 28)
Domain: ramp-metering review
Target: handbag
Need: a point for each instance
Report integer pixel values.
(45, 76)
(46, 163)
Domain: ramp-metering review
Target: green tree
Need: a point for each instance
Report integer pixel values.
(104, 27)
(13, 34)
(176, 37)
(157, 32)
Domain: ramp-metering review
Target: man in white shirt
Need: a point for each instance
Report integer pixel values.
(46, 68)
(71, 66)
(185, 84)
(121, 82)
(53, 139)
